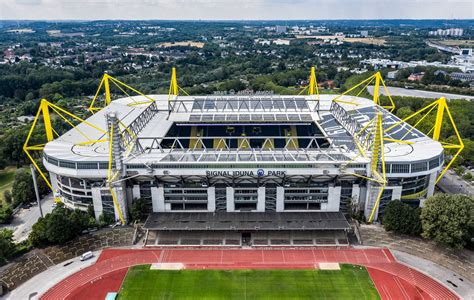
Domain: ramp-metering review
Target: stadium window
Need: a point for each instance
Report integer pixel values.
(418, 167)
(400, 168)
(434, 163)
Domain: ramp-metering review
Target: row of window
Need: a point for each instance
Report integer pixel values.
(390, 168)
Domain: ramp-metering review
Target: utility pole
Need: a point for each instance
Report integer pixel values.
(33, 173)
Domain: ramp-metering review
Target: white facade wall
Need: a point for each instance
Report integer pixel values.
(211, 199)
(97, 202)
(230, 199)
(280, 199)
(158, 199)
(261, 199)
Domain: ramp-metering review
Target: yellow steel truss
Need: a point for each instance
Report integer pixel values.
(105, 83)
(312, 87)
(377, 162)
(44, 111)
(376, 79)
(174, 87)
(112, 175)
(442, 107)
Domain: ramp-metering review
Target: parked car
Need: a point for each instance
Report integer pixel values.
(87, 255)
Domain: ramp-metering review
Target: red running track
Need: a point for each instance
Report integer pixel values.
(392, 279)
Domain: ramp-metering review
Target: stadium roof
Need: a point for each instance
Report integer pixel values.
(328, 116)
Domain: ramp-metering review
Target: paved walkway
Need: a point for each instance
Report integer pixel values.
(42, 282)
(392, 279)
(457, 266)
(460, 285)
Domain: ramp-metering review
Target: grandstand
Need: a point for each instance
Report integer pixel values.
(246, 165)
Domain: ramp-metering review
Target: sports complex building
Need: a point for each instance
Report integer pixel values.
(249, 168)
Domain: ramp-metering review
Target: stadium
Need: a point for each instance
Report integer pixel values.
(248, 187)
(242, 168)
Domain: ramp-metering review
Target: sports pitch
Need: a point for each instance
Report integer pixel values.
(351, 282)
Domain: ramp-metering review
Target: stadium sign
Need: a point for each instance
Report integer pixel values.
(259, 172)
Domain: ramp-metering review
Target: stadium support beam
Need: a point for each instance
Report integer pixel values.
(115, 167)
(174, 87)
(442, 106)
(106, 82)
(376, 79)
(312, 87)
(377, 162)
(44, 113)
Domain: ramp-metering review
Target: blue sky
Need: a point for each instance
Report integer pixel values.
(236, 10)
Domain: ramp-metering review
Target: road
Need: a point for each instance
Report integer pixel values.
(25, 218)
(396, 91)
(453, 184)
(38, 285)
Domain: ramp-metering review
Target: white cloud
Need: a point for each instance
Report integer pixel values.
(235, 9)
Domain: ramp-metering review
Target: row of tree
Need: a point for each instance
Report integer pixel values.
(446, 219)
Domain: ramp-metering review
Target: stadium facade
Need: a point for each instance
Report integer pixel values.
(243, 161)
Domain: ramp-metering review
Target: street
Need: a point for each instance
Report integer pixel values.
(396, 91)
(23, 221)
(453, 184)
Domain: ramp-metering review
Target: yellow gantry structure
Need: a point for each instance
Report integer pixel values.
(375, 79)
(50, 132)
(312, 87)
(105, 83)
(377, 161)
(441, 107)
(174, 87)
(113, 174)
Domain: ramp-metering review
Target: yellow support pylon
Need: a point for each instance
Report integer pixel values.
(313, 83)
(442, 107)
(377, 162)
(377, 77)
(44, 111)
(173, 83)
(174, 87)
(105, 82)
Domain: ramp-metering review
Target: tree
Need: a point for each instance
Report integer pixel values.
(6, 214)
(402, 218)
(60, 226)
(448, 220)
(22, 189)
(138, 209)
(7, 196)
(7, 246)
(106, 218)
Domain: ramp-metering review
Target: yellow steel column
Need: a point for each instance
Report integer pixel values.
(376, 87)
(173, 83)
(439, 118)
(107, 89)
(313, 84)
(47, 120)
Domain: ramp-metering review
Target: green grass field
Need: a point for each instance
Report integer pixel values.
(351, 282)
(6, 180)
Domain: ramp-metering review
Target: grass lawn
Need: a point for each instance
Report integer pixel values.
(351, 282)
(6, 180)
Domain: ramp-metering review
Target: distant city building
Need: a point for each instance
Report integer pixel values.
(281, 42)
(364, 33)
(392, 74)
(447, 32)
(416, 76)
(469, 77)
(280, 29)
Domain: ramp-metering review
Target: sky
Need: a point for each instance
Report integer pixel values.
(235, 9)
